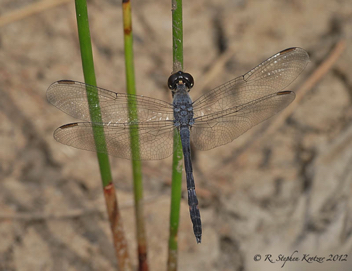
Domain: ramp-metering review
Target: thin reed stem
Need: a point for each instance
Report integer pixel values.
(177, 49)
(133, 116)
(120, 244)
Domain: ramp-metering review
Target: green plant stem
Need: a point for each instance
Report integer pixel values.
(134, 135)
(120, 244)
(89, 78)
(177, 46)
(177, 35)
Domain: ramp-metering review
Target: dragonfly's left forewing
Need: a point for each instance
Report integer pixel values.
(271, 76)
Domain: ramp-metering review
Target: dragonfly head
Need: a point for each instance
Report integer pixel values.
(180, 78)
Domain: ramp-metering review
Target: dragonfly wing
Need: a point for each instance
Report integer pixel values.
(155, 139)
(271, 76)
(220, 128)
(71, 98)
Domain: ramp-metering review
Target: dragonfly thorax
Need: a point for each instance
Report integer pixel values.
(183, 109)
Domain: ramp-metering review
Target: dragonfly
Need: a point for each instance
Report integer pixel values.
(216, 118)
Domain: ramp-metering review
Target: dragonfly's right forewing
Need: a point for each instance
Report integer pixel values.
(71, 98)
(155, 138)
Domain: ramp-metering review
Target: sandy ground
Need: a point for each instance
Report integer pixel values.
(290, 192)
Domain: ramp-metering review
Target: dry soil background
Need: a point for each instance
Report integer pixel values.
(291, 192)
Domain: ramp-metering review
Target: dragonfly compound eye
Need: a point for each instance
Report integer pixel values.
(188, 80)
(173, 80)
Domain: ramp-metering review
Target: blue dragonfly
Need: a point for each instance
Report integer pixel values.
(214, 119)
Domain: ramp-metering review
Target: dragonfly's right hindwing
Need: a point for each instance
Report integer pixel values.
(155, 139)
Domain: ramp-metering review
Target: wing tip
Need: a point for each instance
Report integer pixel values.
(65, 82)
(287, 50)
(62, 128)
(295, 49)
(50, 92)
(61, 82)
(285, 92)
(70, 125)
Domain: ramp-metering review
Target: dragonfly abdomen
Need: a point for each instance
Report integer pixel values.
(195, 214)
(192, 196)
